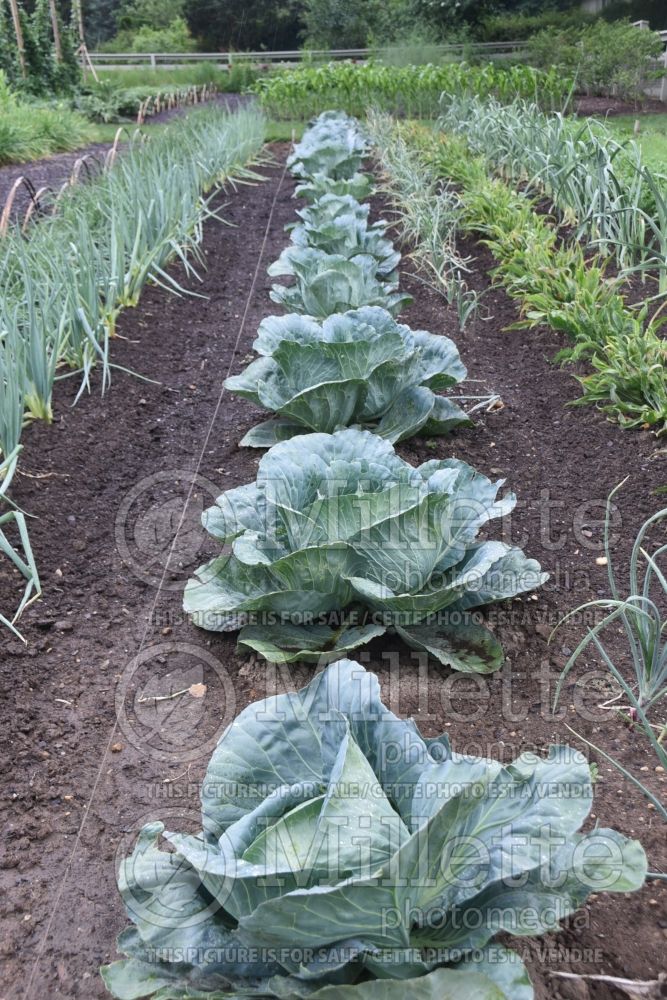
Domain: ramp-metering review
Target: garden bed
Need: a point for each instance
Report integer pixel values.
(52, 171)
(91, 762)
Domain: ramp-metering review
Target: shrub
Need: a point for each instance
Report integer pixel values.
(605, 59)
(515, 27)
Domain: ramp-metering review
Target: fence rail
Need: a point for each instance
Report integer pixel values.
(124, 60)
(226, 60)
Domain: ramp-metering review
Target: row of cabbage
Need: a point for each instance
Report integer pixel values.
(341, 854)
(65, 280)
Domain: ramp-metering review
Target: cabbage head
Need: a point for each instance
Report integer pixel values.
(342, 856)
(340, 225)
(359, 186)
(330, 283)
(359, 367)
(334, 145)
(339, 540)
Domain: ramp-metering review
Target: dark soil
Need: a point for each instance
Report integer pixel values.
(614, 106)
(87, 761)
(53, 171)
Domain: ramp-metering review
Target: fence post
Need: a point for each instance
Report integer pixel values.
(663, 85)
(153, 61)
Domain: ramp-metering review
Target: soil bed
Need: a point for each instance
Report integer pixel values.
(614, 106)
(89, 757)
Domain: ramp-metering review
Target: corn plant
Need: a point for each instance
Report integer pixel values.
(410, 90)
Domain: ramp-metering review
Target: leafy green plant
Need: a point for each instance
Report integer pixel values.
(338, 527)
(338, 224)
(557, 284)
(361, 367)
(329, 283)
(355, 858)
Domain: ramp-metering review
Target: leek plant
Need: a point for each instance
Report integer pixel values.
(556, 283)
(65, 284)
(429, 213)
(65, 280)
(639, 609)
(21, 558)
(597, 185)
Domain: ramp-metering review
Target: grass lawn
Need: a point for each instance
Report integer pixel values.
(652, 136)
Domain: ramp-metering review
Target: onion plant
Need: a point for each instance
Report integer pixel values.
(639, 611)
(19, 554)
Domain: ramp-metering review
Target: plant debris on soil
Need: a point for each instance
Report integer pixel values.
(113, 707)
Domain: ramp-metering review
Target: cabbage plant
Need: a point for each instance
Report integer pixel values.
(343, 855)
(339, 224)
(339, 540)
(360, 367)
(359, 186)
(334, 145)
(330, 283)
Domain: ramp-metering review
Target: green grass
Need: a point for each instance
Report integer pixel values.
(240, 76)
(277, 131)
(31, 131)
(99, 132)
(652, 136)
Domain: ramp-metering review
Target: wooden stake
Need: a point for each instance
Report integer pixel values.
(19, 37)
(57, 45)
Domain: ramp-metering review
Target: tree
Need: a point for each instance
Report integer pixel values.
(338, 24)
(154, 14)
(245, 25)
